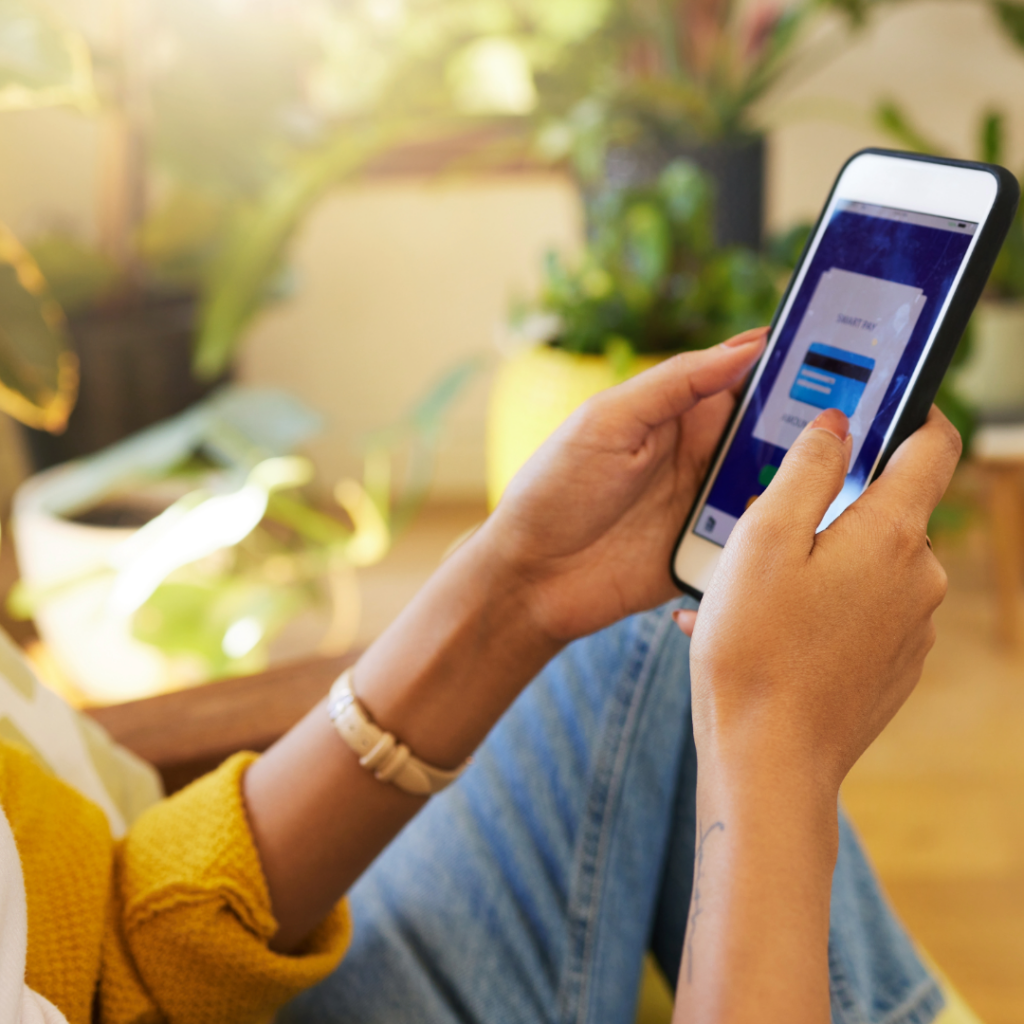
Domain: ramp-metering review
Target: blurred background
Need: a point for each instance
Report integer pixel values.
(290, 288)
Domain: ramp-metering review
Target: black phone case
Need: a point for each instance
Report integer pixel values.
(950, 329)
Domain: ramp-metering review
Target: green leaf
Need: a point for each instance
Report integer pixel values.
(957, 411)
(652, 277)
(1011, 18)
(38, 370)
(185, 618)
(43, 63)
(894, 122)
(773, 61)
(647, 247)
(180, 237)
(621, 355)
(993, 134)
(688, 196)
(307, 522)
(78, 275)
(786, 248)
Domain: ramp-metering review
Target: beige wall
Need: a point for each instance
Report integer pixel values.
(945, 62)
(400, 279)
(399, 282)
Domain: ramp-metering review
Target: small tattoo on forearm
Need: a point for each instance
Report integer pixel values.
(695, 900)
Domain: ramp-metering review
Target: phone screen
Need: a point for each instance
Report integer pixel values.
(855, 332)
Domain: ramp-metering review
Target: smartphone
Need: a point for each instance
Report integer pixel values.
(869, 323)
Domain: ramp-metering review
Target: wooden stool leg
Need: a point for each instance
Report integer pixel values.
(1007, 526)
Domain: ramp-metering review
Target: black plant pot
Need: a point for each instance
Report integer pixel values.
(735, 165)
(135, 367)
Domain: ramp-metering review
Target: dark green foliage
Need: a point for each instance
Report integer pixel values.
(993, 131)
(651, 276)
(895, 123)
(1011, 17)
(786, 248)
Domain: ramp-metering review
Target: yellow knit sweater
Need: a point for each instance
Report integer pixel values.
(172, 923)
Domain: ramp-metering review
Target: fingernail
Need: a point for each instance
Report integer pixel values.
(746, 338)
(833, 421)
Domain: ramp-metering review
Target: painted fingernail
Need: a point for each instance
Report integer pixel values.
(746, 338)
(833, 421)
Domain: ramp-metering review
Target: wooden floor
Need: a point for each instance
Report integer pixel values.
(938, 799)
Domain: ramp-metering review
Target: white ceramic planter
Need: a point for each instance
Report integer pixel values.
(92, 640)
(992, 380)
(91, 643)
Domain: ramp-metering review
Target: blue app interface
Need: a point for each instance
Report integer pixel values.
(853, 337)
(832, 378)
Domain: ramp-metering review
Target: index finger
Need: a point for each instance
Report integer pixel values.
(919, 471)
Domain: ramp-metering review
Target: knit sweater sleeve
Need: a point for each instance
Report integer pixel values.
(190, 922)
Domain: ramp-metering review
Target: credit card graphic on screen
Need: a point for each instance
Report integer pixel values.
(832, 378)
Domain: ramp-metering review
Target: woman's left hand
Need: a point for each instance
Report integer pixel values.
(582, 538)
(589, 523)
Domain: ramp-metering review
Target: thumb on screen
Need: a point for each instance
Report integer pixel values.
(811, 475)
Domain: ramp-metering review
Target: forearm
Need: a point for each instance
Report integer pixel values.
(757, 933)
(588, 523)
(438, 678)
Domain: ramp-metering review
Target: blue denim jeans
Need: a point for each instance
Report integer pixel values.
(530, 890)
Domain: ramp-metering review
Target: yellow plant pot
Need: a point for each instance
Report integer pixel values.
(533, 393)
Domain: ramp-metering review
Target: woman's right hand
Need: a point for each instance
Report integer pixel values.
(807, 644)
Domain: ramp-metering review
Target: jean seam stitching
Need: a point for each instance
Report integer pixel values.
(580, 910)
(921, 1005)
(599, 820)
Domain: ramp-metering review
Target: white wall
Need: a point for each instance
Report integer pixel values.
(401, 278)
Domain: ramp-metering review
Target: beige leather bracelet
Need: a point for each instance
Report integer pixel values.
(378, 751)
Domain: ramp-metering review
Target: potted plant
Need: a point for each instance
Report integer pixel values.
(658, 81)
(195, 549)
(651, 281)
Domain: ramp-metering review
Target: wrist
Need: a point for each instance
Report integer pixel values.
(757, 731)
(769, 794)
(447, 668)
(506, 596)
(521, 582)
